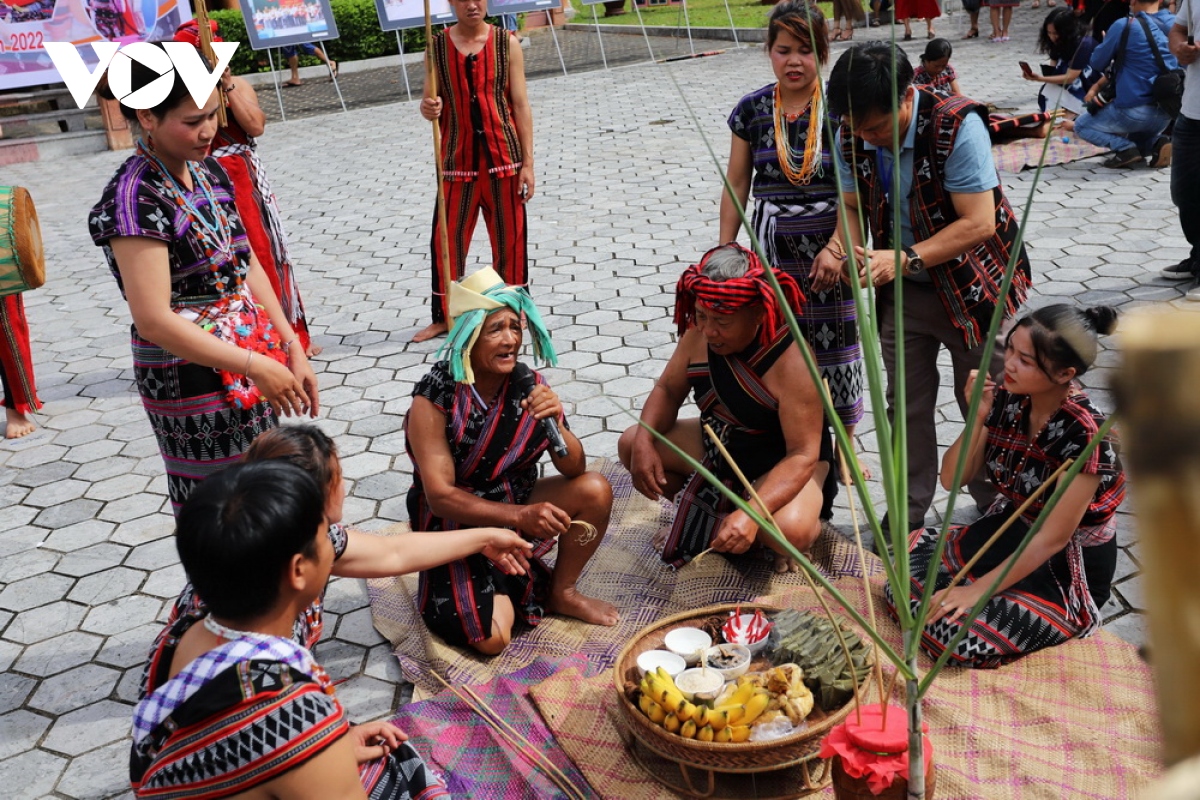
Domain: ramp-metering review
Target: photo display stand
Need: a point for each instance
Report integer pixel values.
(596, 22)
(637, 9)
(287, 23)
(497, 8)
(401, 15)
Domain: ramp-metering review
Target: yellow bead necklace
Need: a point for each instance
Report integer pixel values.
(810, 159)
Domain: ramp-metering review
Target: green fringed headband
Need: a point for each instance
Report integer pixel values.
(471, 301)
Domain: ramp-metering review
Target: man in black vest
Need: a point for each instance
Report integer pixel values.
(956, 234)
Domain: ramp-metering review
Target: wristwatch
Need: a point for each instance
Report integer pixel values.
(915, 265)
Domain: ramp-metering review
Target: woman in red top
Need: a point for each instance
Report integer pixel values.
(487, 147)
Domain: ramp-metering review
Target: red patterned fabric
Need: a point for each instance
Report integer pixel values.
(16, 362)
(475, 90)
(190, 32)
(727, 296)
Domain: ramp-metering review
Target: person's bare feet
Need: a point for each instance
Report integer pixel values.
(571, 603)
(314, 350)
(785, 563)
(430, 331)
(17, 424)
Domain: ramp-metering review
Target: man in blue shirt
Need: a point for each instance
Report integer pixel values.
(1132, 124)
(956, 233)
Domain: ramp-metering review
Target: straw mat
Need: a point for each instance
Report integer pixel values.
(1020, 154)
(1075, 721)
(625, 571)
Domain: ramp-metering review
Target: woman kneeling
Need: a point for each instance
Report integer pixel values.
(1023, 432)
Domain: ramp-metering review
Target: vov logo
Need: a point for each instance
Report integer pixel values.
(178, 57)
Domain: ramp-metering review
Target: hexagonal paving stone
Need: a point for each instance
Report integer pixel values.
(55, 493)
(79, 535)
(117, 487)
(22, 729)
(340, 659)
(59, 654)
(91, 559)
(88, 728)
(122, 614)
(74, 689)
(356, 627)
(132, 507)
(153, 555)
(166, 582)
(105, 586)
(101, 773)
(39, 624)
(26, 563)
(14, 689)
(128, 650)
(145, 529)
(366, 699)
(31, 774)
(45, 474)
(64, 514)
(32, 592)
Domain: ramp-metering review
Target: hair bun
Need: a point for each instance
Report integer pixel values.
(1103, 319)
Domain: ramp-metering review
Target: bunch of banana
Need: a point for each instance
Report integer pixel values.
(727, 720)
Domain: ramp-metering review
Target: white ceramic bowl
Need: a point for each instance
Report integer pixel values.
(687, 643)
(755, 647)
(653, 659)
(738, 654)
(700, 684)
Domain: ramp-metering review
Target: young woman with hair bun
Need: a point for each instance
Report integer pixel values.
(212, 354)
(1024, 430)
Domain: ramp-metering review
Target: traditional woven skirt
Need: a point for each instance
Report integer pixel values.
(199, 431)
(1052, 604)
(792, 235)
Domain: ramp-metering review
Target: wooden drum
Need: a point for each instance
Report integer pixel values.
(22, 260)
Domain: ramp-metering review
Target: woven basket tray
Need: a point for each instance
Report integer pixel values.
(742, 757)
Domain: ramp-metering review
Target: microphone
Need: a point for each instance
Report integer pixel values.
(523, 375)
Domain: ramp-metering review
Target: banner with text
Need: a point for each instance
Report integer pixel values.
(25, 25)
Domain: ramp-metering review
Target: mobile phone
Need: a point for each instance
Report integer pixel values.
(1028, 70)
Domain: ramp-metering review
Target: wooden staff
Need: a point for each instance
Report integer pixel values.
(204, 32)
(1160, 420)
(443, 234)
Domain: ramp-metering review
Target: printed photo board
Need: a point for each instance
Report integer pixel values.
(280, 23)
(25, 25)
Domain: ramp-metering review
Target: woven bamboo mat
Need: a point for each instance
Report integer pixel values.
(1075, 721)
(625, 571)
(1020, 154)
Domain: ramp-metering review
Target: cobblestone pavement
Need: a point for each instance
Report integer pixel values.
(627, 194)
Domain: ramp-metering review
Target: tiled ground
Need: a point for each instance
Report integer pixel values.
(627, 193)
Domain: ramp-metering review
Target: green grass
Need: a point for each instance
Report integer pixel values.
(701, 13)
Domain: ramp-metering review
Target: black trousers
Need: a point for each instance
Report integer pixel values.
(1185, 181)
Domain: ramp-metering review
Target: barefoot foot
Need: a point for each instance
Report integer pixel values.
(17, 424)
(570, 603)
(785, 563)
(430, 331)
(314, 350)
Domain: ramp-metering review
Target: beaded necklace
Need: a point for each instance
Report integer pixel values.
(214, 232)
(810, 159)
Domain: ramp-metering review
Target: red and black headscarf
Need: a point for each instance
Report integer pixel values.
(727, 296)
(190, 32)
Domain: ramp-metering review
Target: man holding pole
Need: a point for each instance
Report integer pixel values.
(476, 90)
